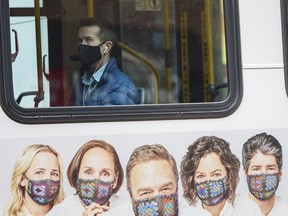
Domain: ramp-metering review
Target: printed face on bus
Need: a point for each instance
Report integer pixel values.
(44, 166)
(152, 178)
(97, 163)
(263, 164)
(263, 177)
(88, 35)
(210, 168)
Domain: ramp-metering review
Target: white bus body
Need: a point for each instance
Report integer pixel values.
(264, 108)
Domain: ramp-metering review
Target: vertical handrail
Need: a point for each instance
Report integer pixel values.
(209, 41)
(90, 8)
(40, 96)
(167, 48)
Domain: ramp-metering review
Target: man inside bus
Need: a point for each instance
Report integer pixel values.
(102, 82)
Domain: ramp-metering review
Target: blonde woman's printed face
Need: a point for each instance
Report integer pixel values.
(210, 168)
(97, 163)
(261, 163)
(44, 166)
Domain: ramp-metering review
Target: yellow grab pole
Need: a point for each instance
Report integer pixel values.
(40, 95)
(90, 8)
(184, 55)
(209, 41)
(148, 63)
(167, 48)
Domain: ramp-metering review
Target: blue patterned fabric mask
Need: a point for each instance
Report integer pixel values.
(212, 192)
(160, 205)
(94, 190)
(43, 191)
(263, 186)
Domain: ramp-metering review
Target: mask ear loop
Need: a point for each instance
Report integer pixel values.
(24, 175)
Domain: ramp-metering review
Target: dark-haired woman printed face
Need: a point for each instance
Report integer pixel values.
(210, 168)
(210, 180)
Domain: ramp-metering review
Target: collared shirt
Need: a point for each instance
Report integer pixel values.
(90, 84)
(114, 88)
(95, 77)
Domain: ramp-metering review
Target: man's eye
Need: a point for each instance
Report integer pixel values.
(166, 189)
(144, 193)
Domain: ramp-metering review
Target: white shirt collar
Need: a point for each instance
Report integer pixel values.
(96, 75)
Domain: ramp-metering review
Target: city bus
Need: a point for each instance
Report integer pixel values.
(202, 67)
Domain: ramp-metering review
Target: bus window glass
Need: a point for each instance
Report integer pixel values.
(25, 77)
(180, 59)
(175, 52)
(23, 3)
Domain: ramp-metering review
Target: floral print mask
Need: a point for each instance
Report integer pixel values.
(160, 205)
(94, 190)
(263, 186)
(213, 191)
(43, 191)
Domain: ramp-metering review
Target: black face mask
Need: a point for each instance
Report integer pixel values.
(88, 55)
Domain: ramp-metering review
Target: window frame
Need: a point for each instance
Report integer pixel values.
(122, 112)
(284, 21)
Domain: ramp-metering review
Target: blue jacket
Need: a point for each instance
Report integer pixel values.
(114, 88)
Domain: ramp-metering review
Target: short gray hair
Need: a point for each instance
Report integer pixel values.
(264, 143)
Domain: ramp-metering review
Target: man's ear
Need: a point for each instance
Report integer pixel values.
(280, 175)
(105, 50)
(109, 45)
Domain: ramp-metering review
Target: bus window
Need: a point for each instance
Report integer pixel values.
(182, 56)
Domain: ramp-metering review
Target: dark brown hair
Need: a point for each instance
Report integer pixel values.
(106, 30)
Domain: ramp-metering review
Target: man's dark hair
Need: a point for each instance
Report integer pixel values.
(265, 144)
(106, 30)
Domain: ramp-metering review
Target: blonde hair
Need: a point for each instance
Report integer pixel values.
(21, 165)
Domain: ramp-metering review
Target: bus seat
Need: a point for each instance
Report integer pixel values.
(142, 94)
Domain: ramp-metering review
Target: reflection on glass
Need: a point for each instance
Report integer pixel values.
(23, 3)
(25, 79)
(174, 51)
